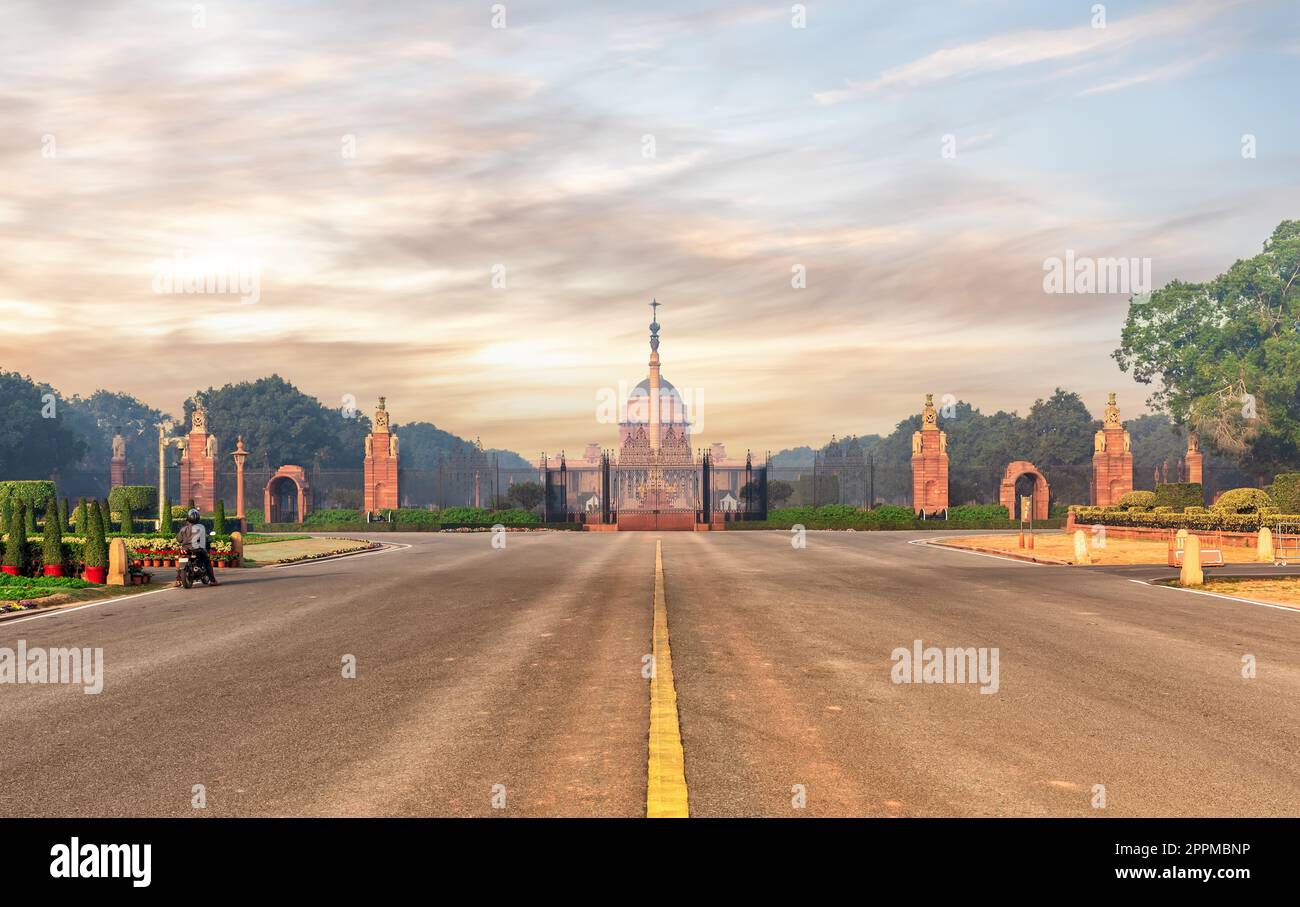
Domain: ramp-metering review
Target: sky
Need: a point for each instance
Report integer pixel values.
(467, 207)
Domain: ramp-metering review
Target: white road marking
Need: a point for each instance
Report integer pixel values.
(998, 557)
(1231, 598)
(62, 611)
(388, 546)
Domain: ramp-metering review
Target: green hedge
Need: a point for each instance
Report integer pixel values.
(1137, 500)
(1244, 500)
(1202, 521)
(1178, 496)
(32, 493)
(142, 500)
(977, 512)
(1285, 492)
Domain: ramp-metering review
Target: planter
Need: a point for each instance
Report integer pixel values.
(12, 571)
(96, 575)
(53, 569)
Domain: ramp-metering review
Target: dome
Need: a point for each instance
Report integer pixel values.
(671, 407)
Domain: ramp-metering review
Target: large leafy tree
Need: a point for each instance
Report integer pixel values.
(425, 446)
(36, 438)
(1224, 355)
(281, 424)
(101, 415)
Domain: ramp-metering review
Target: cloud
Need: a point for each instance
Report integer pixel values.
(1033, 46)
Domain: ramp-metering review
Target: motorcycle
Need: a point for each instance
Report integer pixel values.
(188, 570)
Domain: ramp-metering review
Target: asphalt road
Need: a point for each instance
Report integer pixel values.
(518, 672)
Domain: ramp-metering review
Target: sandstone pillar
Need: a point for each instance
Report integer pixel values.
(380, 471)
(929, 463)
(1112, 460)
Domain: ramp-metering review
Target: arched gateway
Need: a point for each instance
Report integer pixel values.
(287, 496)
(1007, 491)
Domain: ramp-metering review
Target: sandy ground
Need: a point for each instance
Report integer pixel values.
(1113, 552)
(1284, 590)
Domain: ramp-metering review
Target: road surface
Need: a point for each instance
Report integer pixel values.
(513, 678)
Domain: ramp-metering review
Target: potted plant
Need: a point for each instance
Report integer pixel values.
(52, 542)
(96, 546)
(16, 542)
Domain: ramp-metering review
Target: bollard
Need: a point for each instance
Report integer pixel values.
(1264, 552)
(117, 563)
(1081, 555)
(1192, 574)
(237, 549)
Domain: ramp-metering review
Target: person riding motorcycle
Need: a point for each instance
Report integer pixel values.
(193, 539)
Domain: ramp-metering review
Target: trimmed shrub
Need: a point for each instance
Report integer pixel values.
(141, 499)
(411, 516)
(1285, 492)
(96, 551)
(127, 521)
(332, 515)
(63, 513)
(974, 512)
(1138, 500)
(1244, 500)
(16, 538)
(32, 493)
(1180, 495)
(104, 522)
(165, 523)
(29, 520)
(52, 541)
(219, 518)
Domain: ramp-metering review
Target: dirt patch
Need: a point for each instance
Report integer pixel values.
(1114, 552)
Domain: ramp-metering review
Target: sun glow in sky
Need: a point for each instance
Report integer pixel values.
(471, 220)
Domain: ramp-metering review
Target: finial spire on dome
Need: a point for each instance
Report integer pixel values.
(654, 324)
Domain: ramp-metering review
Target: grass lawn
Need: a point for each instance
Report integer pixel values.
(254, 538)
(1059, 546)
(283, 551)
(45, 596)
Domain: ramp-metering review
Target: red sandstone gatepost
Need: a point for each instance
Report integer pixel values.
(199, 463)
(1112, 460)
(381, 492)
(929, 463)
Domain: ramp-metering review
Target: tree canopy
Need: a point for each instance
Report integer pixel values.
(1224, 355)
(36, 436)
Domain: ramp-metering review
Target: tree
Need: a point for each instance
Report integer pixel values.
(165, 518)
(1224, 355)
(97, 418)
(525, 495)
(778, 492)
(219, 518)
(35, 436)
(281, 424)
(63, 514)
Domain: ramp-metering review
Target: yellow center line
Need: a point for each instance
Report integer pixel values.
(666, 767)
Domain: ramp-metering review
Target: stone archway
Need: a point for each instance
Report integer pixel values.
(287, 496)
(1007, 490)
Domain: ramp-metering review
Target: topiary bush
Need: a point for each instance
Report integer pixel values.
(52, 540)
(1285, 492)
(1244, 500)
(96, 550)
(975, 512)
(1179, 496)
(16, 538)
(141, 499)
(32, 493)
(1137, 500)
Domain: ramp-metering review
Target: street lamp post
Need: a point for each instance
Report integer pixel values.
(240, 455)
(163, 443)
